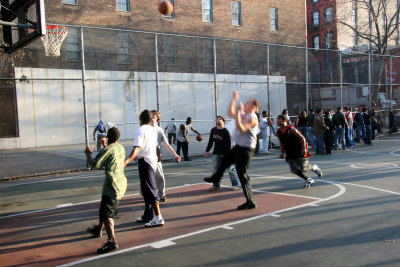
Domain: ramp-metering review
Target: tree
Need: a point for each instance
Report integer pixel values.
(371, 24)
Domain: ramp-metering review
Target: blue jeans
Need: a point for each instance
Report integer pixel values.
(311, 137)
(339, 132)
(319, 138)
(360, 132)
(349, 138)
(231, 170)
(368, 134)
(303, 131)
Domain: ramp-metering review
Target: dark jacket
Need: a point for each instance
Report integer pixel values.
(222, 140)
(358, 119)
(310, 120)
(328, 122)
(366, 118)
(339, 120)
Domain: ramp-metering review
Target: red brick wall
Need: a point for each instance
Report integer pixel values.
(144, 15)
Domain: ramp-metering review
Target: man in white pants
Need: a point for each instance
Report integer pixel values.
(161, 138)
(265, 132)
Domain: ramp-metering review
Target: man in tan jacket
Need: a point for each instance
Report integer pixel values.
(319, 128)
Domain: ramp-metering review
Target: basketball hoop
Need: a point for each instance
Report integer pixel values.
(53, 39)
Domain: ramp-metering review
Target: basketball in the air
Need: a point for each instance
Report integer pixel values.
(270, 122)
(165, 8)
(199, 137)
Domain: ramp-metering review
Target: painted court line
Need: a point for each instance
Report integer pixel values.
(171, 240)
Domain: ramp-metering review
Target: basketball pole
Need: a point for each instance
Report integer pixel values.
(84, 91)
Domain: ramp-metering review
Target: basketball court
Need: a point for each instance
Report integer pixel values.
(349, 218)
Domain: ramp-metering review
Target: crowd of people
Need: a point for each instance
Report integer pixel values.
(327, 130)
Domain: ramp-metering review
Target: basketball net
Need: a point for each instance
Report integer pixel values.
(53, 39)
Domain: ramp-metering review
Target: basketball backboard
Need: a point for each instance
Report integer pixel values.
(22, 22)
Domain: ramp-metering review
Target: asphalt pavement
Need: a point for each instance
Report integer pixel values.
(58, 160)
(350, 217)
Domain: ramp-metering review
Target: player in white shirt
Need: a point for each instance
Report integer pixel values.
(144, 152)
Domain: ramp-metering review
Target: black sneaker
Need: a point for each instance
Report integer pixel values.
(247, 206)
(163, 199)
(109, 246)
(95, 231)
(207, 179)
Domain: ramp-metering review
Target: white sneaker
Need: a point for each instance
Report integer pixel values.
(233, 188)
(309, 183)
(155, 222)
(317, 170)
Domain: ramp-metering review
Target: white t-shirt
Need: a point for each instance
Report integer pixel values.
(161, 138)
(146, 139)
(171, 126)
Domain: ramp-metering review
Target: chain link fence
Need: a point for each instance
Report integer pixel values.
(312, 77)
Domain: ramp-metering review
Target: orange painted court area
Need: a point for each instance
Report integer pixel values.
(59, 236)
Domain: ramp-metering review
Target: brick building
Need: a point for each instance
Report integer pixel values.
(120, 35)
(322, 34)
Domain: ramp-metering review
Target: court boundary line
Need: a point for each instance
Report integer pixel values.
(169, 241)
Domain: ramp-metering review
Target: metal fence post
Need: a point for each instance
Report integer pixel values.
(215, 78)
(84, 88)
(369, 79)
(341, 79)
(84, 91)
(307, 81)
(391, 84)
(156, 62)
(268, 83)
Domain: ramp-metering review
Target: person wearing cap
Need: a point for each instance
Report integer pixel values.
(182, 138)
(221, 139)
(101, 136)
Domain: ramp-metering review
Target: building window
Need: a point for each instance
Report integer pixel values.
(72, 45)
(329, 41)
(71, 2)
(123, 47)
(328, 14)
(170, 50)
(172, 15)
(207, 10)
(236, 14)
(315, 16)
(208, 53)
(123, 5)
(273, 19)
(237, 55)
(314, 1)
(316, 42)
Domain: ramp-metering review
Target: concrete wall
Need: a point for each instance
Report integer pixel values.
(50, 112)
